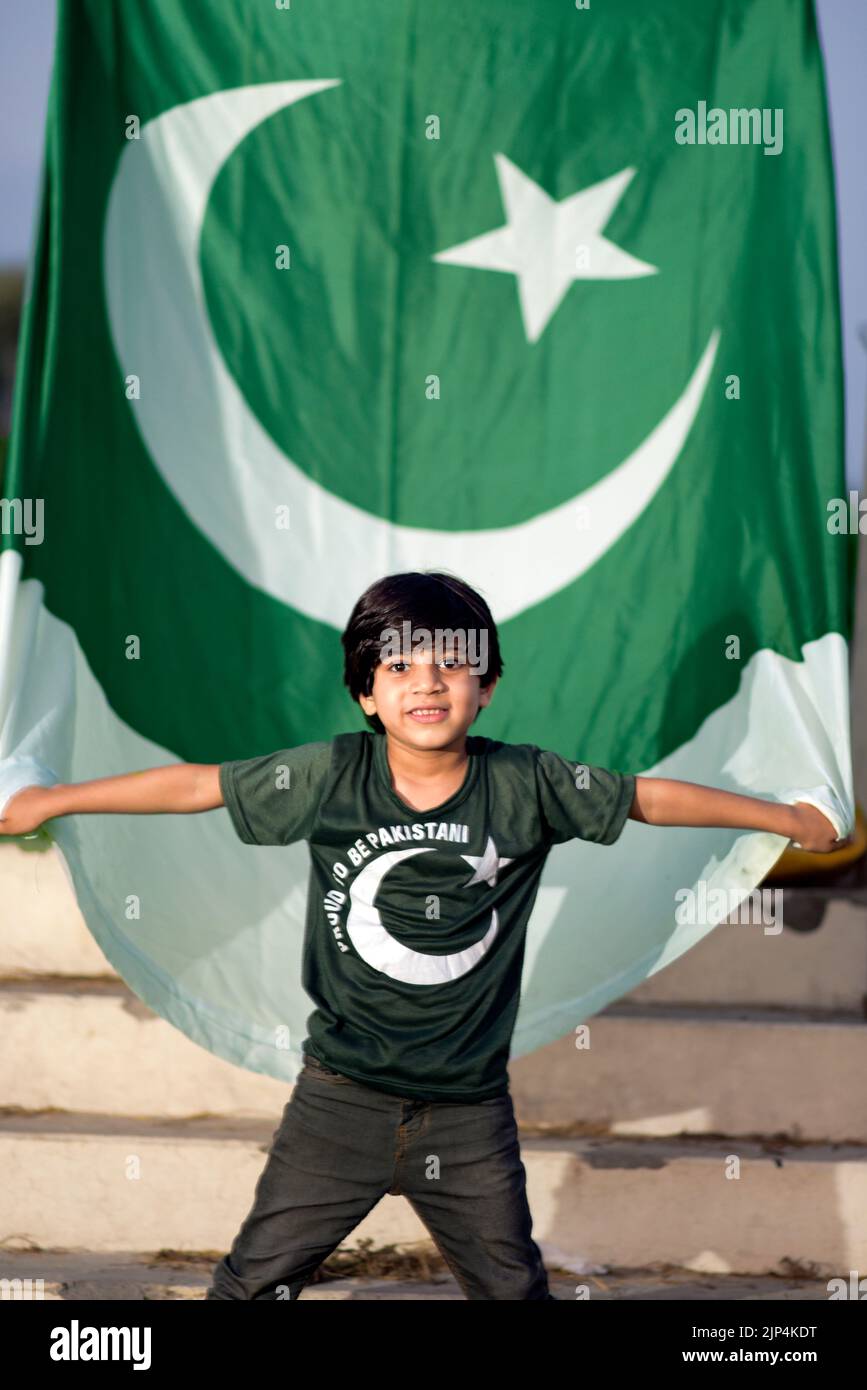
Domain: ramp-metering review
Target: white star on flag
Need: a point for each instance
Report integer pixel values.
(549, 244)
(487, 866)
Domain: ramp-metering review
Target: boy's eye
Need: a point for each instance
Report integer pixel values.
(449, 664)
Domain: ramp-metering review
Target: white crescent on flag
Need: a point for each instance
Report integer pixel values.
(225, 469)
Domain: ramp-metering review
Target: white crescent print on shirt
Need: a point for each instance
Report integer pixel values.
(391, 957)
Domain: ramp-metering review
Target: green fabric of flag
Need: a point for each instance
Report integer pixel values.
(324, 292)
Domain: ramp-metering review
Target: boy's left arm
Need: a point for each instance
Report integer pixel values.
(665, 801)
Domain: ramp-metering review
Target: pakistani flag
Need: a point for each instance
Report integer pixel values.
(541, 294)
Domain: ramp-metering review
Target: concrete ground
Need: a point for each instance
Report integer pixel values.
(110, 1277)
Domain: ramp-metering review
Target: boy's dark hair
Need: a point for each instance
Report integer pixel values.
(428, 599)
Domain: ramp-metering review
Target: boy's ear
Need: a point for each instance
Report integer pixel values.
(486, 693)
(368, 704)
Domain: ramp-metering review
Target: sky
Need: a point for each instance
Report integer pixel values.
(26, 43)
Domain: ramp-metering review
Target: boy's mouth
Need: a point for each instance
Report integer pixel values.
(428, 714)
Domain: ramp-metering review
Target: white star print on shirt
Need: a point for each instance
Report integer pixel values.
(487, 866)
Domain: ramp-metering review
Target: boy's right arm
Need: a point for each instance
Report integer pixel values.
(178, 789)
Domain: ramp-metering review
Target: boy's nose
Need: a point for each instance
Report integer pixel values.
(427, 677)
(423, 687)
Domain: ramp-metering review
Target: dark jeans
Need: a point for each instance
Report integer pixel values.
(341, 1146)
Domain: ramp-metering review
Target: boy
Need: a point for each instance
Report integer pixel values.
(426, 851)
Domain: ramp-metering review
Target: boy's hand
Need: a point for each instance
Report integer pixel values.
(25, 811)
(813, 831)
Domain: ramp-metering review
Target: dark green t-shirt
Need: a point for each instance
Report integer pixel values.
(416, 920)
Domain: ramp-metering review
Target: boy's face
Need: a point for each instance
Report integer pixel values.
(451, 689)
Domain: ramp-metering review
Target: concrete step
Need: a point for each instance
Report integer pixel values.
(744, 963)
(94, 1046)
(42, 932)
(676, 1070)
(650, 1072)
(109, 1278)
(711, 1206)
